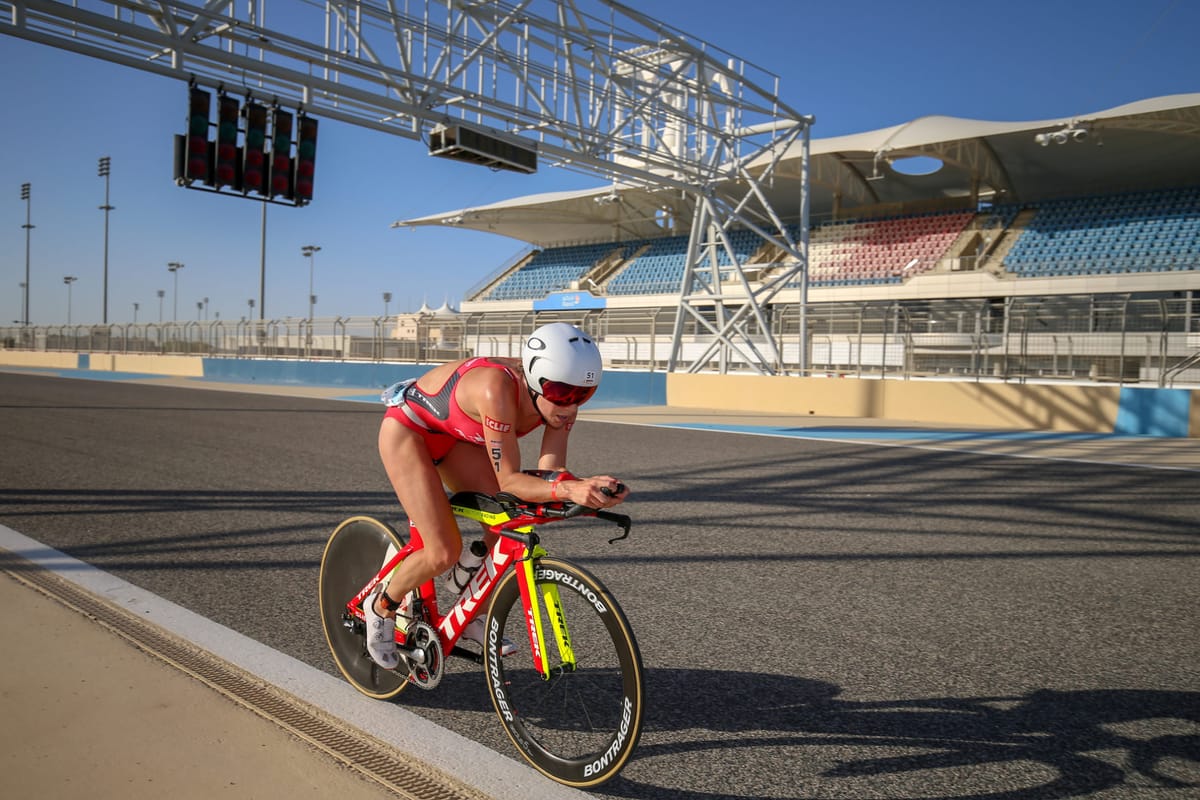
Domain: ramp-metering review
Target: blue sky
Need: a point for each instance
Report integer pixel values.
(856, 66)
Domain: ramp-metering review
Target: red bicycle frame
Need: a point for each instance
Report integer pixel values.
(515, 544)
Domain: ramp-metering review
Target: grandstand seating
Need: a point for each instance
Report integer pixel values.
(1101, 234)
(1096, 235)
(657, 270)
(888, 250)
(552, 269)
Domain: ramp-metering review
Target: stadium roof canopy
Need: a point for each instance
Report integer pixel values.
(1152, 143)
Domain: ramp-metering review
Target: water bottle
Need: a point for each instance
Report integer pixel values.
(458, 577)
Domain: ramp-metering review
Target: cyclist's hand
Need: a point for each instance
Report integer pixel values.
(600, 491)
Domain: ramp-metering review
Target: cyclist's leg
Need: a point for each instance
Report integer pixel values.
(418, 487)
(466, 468)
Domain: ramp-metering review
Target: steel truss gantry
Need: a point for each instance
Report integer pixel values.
(597, 86)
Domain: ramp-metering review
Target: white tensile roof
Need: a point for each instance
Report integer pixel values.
(1147, 144)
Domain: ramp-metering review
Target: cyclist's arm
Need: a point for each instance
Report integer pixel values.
(490, 393)
(554, 449)
(584, 491)
(498, 409)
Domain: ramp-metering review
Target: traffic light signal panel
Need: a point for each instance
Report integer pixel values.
(281, 154)
(226, 173)
(306, 160)
(254, 159)
(196, 149)
(264, 167)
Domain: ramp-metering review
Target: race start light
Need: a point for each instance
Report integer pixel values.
(227, 137)
(198, 147)
(251, 159)
(254, 153)
(306, 159)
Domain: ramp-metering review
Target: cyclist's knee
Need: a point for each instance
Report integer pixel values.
(438, 559)
(447, 561)
(441, 552)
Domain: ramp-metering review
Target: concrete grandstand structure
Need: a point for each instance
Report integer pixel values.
(1059, 248)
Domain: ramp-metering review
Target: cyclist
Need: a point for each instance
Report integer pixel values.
(457, 427)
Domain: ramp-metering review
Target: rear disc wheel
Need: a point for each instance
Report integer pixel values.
(355, 552)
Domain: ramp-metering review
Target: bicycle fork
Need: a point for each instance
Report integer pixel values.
(526, 581)
(522, 545)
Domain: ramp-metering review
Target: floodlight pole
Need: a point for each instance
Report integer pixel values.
(310, 250)
(68, 280)
(103, 172)
(174, 267)
(262, 266)
(26, 191)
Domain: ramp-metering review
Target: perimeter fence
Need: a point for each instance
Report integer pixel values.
(1149, 340)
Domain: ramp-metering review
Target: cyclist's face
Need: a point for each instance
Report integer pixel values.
(556, 416)
(564, 394)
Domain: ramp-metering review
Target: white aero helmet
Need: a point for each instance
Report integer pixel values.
(562, 363)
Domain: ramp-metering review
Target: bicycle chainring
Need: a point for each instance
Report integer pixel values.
(428, 674)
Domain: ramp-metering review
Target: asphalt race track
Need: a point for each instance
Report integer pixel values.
(818, 619)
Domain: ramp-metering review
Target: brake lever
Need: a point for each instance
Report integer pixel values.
(621, 519)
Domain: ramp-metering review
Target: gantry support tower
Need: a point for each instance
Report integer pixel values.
(595, 85)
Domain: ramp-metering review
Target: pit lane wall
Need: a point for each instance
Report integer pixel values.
(179, 366)
(1057, 407)
(1125, 410)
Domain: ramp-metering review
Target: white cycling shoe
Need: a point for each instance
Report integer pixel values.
(381, 635)
(475, 633)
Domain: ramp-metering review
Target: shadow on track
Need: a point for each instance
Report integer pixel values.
(1042, 746)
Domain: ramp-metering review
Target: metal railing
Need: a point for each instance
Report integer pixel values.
(1148, 340)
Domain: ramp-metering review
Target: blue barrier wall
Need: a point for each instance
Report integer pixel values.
(616, 388)
(631, 389)
(1153, 412)
(320, 373)
(1140, 411)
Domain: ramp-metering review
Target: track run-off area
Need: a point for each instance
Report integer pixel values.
(818, 617)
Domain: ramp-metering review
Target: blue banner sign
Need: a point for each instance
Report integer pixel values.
(569, 301)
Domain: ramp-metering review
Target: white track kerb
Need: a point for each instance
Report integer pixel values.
(449, 752)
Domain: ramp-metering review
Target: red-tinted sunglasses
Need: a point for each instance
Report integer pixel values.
(564, 394)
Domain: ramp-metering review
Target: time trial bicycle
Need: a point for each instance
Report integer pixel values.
(570, 697)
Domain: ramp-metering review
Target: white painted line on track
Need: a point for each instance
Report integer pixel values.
(769, 432)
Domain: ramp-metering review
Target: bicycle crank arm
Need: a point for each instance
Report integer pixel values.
(414, 655)
(462, 652)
